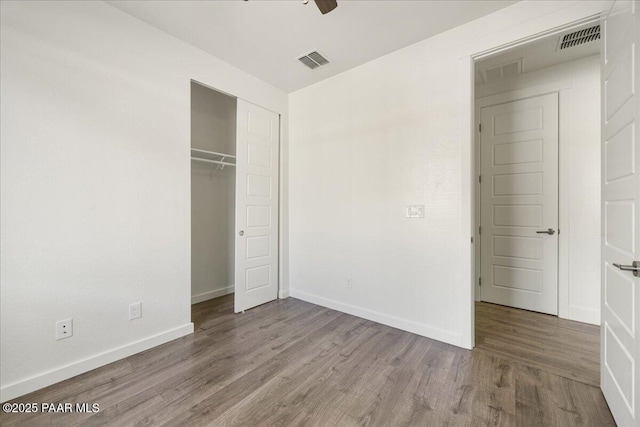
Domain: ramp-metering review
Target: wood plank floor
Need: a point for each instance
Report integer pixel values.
(562, 347)
(294, 363)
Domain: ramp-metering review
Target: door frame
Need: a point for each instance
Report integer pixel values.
(469, 170)
(562, 88)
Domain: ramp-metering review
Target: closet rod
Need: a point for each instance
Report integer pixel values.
(213, 161)
(213, 153)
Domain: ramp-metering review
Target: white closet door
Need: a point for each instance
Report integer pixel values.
(519, 239)
(257, 150)
(620, 304)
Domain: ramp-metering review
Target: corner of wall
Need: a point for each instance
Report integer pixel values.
(283, 294)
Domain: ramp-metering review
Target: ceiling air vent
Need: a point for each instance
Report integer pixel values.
(313, 60)
(503, 71)
(580, 37)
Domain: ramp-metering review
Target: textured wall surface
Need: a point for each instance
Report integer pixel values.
(95, 184)
(390, 133)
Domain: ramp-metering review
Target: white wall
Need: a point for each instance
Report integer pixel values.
(213, 195)
(392, 132)
(95, 184)
(579, 285)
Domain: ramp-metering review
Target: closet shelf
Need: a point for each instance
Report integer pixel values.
(212, 157)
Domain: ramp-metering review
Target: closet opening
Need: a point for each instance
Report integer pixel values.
(213, 193)
(235, 149)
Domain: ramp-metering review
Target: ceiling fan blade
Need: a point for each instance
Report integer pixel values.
(326, 6)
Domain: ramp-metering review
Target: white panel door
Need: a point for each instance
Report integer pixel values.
(620, 344)
(257, 151)
(519, 199)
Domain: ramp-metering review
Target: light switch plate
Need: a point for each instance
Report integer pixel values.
(415, 211)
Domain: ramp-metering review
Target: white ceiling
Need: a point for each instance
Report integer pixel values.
(264, 37)
(540, 54)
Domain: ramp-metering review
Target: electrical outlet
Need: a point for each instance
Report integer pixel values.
(135, 310)
(64, 329)
(349, 283)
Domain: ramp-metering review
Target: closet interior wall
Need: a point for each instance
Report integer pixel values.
(213, 128)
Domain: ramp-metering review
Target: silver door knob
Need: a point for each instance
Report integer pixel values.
(241, 232)
(634, 267)
(549, 231)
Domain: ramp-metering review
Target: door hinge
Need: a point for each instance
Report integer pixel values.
(480, 127)
(471, 239)
(479, 281)
(480, 179)
(479, 230)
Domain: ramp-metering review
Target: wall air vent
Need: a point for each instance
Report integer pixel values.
(580, 37)
(313, 60)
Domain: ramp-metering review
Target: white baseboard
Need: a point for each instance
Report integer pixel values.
(385, 319)
(20, 388)
(283, 294)
(583, 314)
(212, 294)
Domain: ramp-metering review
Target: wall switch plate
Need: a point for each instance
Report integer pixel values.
(349, 283)
(135, 310)
(64, 329)
(415, 211)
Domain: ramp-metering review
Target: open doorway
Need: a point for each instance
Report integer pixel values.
(537, 204)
